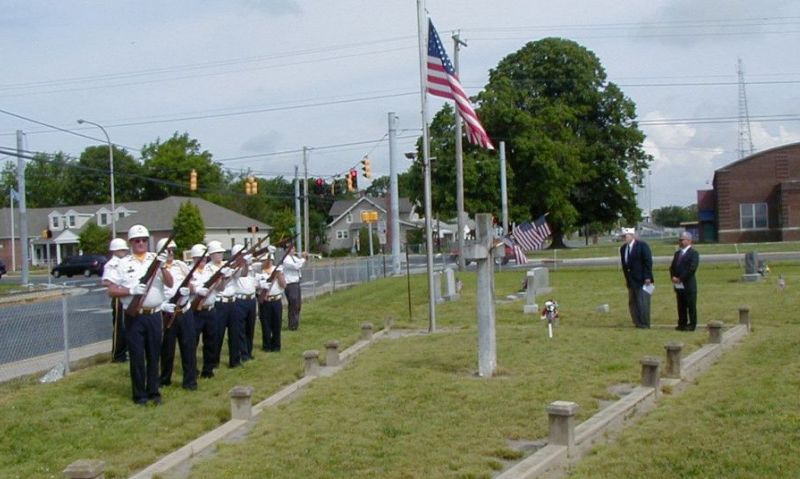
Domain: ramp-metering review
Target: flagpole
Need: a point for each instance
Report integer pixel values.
(422, 30)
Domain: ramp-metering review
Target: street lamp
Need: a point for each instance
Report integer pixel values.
(111, 170)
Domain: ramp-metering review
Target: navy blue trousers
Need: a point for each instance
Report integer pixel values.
(181, 332)
(144, 345)
(226, 320)
(205, 326)
(245, 316)
(270, 314)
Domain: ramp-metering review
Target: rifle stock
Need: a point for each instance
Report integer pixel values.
(136, 303)
(170, 317)
(262, 296)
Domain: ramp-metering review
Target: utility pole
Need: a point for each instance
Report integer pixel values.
(394, 200)
(459, 168)
(23, 210)
(298, 233)
(305, 200)
(503, 187)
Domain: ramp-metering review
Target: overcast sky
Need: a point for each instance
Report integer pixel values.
(256, 80)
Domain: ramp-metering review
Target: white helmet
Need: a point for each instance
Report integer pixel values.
(138, 231)
(198, 250)
(236, 248)
(161, 243)
(215, 247)
(118, 244)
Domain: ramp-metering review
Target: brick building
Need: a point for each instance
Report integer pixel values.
(754, 199)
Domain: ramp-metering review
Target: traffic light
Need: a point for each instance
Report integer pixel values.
(252, 229)
(319, 186)
(354, 179)
(349, 179)
(366, 167)
(251, 186)
(47, 234)
(193, 180)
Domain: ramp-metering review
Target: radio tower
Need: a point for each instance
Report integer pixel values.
(745, 137)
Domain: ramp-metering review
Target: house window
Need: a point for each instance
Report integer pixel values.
(753, 216)
(342, 234)
(72, 221)
(349, 217)
(103, 219)
(55, 221)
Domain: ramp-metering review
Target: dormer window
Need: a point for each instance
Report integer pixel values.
(349, 218)
(72, 221)
(55, 221)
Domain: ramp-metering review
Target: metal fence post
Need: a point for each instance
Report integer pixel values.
(332, 268)
(65, 326)
(314, 281)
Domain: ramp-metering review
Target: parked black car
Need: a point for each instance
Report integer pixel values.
(86, 265)
(2, 268)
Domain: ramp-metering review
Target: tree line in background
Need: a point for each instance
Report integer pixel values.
(573, 146)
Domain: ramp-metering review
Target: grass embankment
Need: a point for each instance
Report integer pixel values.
(412, 407)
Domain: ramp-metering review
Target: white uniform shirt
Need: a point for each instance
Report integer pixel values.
(262, 277)
(131, 270)
(201, 275)
(178, 270)
(244, 282)
(291, 268)
(111, 271)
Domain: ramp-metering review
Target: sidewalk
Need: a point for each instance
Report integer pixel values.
(42, 364)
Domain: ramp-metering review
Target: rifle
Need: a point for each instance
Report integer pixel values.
(170, 317)
(147, 280)
(214, 279)
(262, 296)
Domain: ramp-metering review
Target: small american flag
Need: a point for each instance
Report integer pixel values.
(532, 236)
(519, 254)
(443, 82)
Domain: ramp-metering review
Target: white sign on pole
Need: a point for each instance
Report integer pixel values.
(382, 232)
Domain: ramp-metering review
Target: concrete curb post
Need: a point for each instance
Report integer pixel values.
(744, 316)
(388, 322)
(715, 332)
(311, 358)
(674, 350)
(86, 469)
(332, 353)
(241, 402)
(651, 372)
(561, 415)
(366, 332)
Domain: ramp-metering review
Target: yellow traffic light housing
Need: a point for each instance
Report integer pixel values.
(193, 180)
(251, 186)
(366, 167)
(349, 179)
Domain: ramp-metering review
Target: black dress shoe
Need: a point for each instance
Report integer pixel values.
(156, 400)
(207, 374)
(680, 328)
(190, 387)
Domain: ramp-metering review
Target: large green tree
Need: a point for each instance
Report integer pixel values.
(572, 139)
(94, 239)
(188, 226)
(90, 177)
(46, 180)
(168, 166)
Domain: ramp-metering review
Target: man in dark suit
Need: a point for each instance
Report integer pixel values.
(637, 265)
(682, 270)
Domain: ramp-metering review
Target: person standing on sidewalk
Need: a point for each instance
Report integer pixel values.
(111, 274)
(292, 265)
(637, 266)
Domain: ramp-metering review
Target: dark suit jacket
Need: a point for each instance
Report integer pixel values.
(684, 268)
(639, 266)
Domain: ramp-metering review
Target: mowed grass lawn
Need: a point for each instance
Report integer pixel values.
(413, 407)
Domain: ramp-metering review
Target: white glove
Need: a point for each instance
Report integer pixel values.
(271, 249)
(162, 258)
(138, 289)
(248, 258)
(227, 272)
(264, 284)
(201, 291)
(184, 291)
(168, 307)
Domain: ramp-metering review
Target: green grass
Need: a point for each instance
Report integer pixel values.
(661, 247)
(412, 407)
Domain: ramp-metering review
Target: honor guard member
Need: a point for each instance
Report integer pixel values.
(291, 270)
(178, 323)
(224, 307)
(271, 284)
(244, 306)
(143, 329)
(111, 275)
(205, 323)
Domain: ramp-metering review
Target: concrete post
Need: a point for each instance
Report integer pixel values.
(674, 350)
(437, 287)
(744, 316)
(241, 402)
(481, 251)
(531, 307)
(332, 356)
(651, 372)
(311, 358)
(562, 423)
(451, 293)
(366, 332)
(715, 332)
(388, 322)
(86, 469)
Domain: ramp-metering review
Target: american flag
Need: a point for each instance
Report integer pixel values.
(519, 254)
(443, 82)
(532, 236)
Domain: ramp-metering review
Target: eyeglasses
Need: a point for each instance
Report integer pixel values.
(139, 240)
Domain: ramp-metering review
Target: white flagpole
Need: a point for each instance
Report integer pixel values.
(422, 28)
